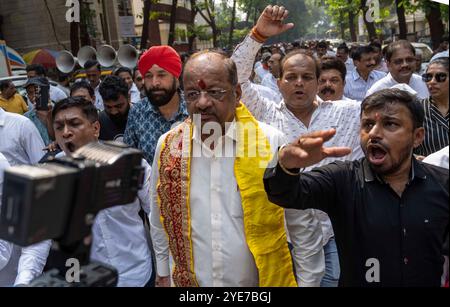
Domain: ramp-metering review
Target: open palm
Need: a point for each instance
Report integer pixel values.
(308, 150)
(270, 22)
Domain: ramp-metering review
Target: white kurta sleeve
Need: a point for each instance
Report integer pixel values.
(5, 246)
(32, 262)
(158, 234)
(244, 56)
(144, 193)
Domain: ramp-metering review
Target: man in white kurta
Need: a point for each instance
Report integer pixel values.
(221, 255)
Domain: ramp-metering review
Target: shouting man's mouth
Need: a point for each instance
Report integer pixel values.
(376, 154)
(70, 146)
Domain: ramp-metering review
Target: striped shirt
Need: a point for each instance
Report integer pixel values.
(356, 87)
(436, 129)
(344, 115)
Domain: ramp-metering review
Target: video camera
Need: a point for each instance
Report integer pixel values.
(59, 199)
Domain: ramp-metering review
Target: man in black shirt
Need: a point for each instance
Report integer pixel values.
(116, 99)
(390, 212)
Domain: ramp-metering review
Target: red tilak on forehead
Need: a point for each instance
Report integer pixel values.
(201, 84)
(377, 116)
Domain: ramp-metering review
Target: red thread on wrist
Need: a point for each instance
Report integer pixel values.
(258, 36)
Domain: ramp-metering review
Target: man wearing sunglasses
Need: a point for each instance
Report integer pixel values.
(401, 62)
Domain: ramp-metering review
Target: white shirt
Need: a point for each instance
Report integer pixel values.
(65, 90)
(220, 250)
(348, 99)
(270, 82)
(260, 71)
(57, 94)
(19, 266)
(25, 264)
(20, 141)
(415, 82)
(265, 91)
(328, 53)
(135, 95)
(356, 87)
(98, 99)
(342, 115)
(439, 158)
(119, 239)
(5, 246)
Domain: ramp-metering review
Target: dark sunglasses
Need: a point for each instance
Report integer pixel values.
(440, 77)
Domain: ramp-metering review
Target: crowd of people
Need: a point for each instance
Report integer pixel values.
(343, 163)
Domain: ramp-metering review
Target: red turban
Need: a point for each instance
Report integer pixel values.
(164, 56)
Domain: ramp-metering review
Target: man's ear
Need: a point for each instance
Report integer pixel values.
(419, 135)
(96, 127)
(238, 93)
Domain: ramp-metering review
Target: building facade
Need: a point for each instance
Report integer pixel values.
(33, 24)
(159, 24)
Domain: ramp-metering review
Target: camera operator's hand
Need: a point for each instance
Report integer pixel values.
(162, 281)
(270, 23)
(52, 147)
(419, 157)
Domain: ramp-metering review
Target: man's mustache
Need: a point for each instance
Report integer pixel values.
(153, 90)
(380, 143)
(327, 90)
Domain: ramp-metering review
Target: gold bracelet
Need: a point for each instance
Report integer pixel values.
(284, 168)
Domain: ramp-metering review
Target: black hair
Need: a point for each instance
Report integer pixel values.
(300, 53)
(63, 77)
(4, 84)
(334, 63)
(380, 99)
(344, 47)
(396, 45)
(375, 44)
(38, 68)
(84, 105)
(359, 51)
(322, 44)
(112, 87)
(92, 63)
(82, 84)
(123, 69)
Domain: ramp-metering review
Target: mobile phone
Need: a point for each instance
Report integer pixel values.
(42, 97)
